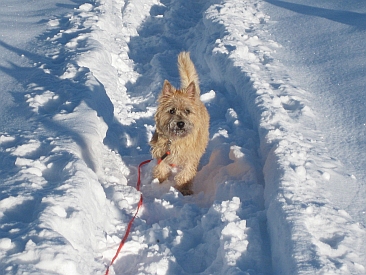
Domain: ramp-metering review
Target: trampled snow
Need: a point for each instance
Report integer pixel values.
(80, 81)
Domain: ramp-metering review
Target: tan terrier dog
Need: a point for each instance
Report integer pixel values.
(182, 123)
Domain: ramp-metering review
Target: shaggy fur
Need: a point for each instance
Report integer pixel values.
(182, 123)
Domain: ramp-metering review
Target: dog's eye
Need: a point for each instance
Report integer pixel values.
(188, 111)
(172, 111)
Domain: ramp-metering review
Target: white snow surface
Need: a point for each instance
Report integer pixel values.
(274, 193)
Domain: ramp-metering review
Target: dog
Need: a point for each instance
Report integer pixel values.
(182, 128)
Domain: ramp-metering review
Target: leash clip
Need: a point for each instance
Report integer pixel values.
(167, 152)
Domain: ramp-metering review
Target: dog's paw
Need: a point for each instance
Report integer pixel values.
(185, 190)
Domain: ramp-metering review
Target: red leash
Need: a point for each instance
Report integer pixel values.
(133, 218)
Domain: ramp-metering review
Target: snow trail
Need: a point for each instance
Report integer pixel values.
(220, 231)
(88, 88)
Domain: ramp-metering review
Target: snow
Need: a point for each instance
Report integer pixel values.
(280, 189)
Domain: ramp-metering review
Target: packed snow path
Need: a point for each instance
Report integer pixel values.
(213, 231)
(87, 89)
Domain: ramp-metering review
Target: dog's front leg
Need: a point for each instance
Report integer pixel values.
(161, 171)
(184, 179)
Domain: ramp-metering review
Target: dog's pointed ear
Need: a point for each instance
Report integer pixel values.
(191, 90)
(168, 89)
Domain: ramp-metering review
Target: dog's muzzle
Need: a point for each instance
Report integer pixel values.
(179, 128)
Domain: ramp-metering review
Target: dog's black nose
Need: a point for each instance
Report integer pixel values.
(180, 124)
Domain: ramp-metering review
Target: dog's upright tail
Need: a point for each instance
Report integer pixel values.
(187, 71)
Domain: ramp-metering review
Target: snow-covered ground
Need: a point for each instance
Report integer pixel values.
(275, 193)
(323, 49)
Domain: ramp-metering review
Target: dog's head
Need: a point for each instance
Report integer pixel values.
(177, 111)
